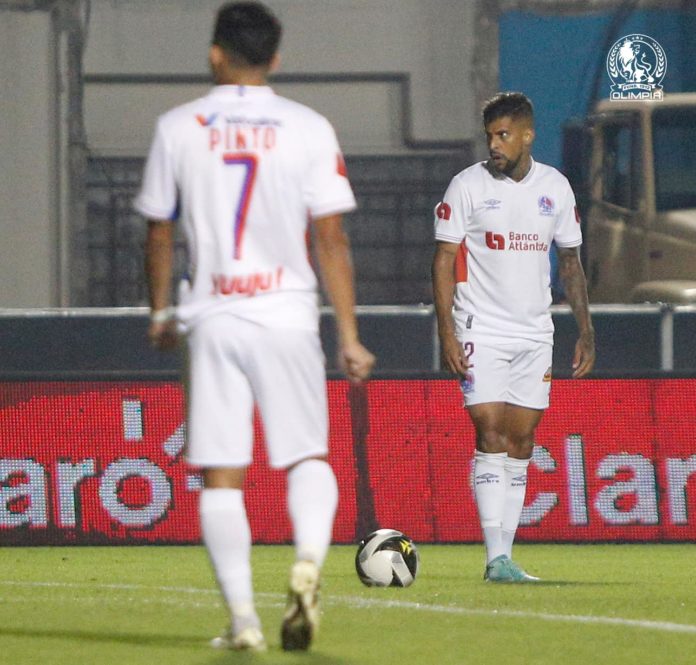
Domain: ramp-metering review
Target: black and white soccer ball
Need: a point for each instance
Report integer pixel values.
(387, 558)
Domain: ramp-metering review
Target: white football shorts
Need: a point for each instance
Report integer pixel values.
(234, 364)
(501, 369)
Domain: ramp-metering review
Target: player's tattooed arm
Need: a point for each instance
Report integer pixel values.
(575, 285)
(159, 262)
(453, 358)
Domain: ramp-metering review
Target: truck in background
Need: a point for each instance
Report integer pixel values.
(632, 165)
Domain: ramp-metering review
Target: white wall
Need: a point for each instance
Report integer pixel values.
(431, 40)
(28, 196)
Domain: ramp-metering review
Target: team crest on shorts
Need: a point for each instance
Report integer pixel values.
(467, 383)
(547, 376)
(546, 206)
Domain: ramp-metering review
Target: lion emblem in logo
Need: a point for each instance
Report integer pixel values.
(636, 65)
(633, 63)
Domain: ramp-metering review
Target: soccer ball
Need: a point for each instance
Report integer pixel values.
(387, 558)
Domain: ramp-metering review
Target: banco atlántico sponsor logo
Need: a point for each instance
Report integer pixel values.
(516, 242)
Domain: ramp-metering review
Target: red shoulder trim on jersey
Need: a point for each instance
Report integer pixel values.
(461, 269)
(341, 165)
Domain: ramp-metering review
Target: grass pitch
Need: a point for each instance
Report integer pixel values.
(144, 605)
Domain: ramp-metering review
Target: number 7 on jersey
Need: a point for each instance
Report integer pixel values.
(249, 163)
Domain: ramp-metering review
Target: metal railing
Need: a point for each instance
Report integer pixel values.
(666, 312)
(387, 324)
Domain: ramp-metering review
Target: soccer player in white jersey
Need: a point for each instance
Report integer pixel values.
(248, 174)
(491, 283)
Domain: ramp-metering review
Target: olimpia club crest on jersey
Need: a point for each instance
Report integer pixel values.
(546, 206)
(636, 65)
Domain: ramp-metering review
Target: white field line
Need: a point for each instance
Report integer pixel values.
(357, 602)
(665, 626)
(102, 601)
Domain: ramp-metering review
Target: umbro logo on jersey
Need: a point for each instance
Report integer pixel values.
(487, 479)
(206, 122)
(492, 204)
(546, 205)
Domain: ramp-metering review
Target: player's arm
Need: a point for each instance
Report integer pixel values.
(336, 267)
(451, 350)
(159, 265)
(573, 278)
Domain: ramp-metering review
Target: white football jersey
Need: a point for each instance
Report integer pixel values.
(505, 230)
(245, 171)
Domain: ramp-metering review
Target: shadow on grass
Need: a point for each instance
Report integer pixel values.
(137, 639)
(551, 583)
(274, 654)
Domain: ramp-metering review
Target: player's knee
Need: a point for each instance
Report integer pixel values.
(491, 441)
(224, 477)
(520, 445)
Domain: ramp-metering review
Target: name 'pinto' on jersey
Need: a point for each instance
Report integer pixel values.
(505, 230)
(257, 168)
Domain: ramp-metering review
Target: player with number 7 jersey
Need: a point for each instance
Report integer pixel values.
(251, 176)
(244, 170)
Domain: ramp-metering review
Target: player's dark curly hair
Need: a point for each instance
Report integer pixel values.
(248, 32)
(514, 105)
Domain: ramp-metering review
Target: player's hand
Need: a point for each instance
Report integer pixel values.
(163, 335)
(584, 358)
(355, 361)
(453, 358)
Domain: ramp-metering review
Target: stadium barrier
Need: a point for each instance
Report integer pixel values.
(110, 342)
(100, 462)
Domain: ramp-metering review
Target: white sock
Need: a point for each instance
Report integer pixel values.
(516, 488)
(227, 537)
(489, 489)
(312, 501)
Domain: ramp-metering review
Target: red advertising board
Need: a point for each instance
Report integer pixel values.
(102, 462)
